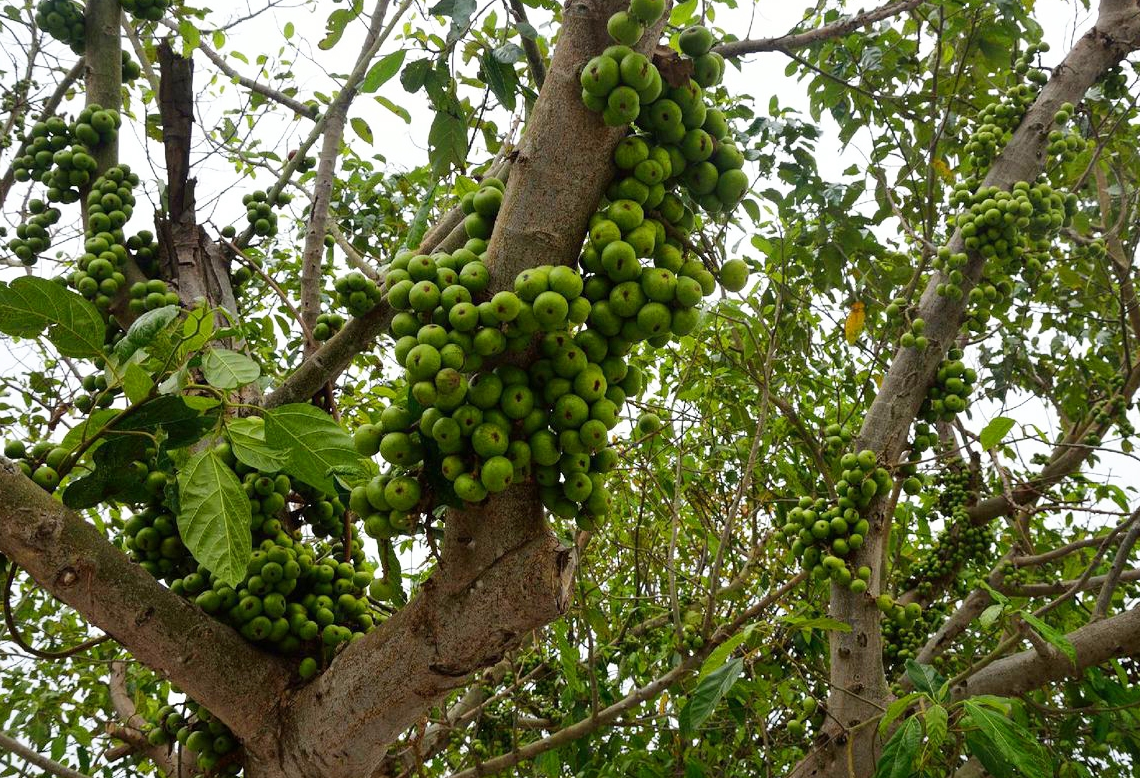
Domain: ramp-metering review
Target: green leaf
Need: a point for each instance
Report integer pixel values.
(361, 128)
(898, 754)
(991, 614)
(719, 656)
(137, 383)
(182, 424)
(380, 73)
(936, 721)
(682, 13)
(1008, 743)
(313, 443)
(527, 30)
(399, 110)
(708, 694)
(986, 752)
(227, 369)
(825, 623)
(289, 30)
(197, 330)
(415, 74)
(995, 431)
(1053, 636)
(509, 53)
(247, 441)
(214, 517)
(896, 709)
(501, 79)
(997, 596)
(419, 225)
(29, 305)
(190, 36)
(447, 141)
(144, 330)
(334, 27)
(924, 677)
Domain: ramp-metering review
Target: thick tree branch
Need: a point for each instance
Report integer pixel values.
(530, 47)
(335, 119)
(799, 40)
(341, 723)
(1094, 643)
(856, 657)
(104, 72)
(502, 573)
(13, 746)
(75, 563)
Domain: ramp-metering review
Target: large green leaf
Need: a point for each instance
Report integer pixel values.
(144, 330)
(1003, 744)
(313, 443)
(898, 754)
(380, 73)
(447, 140)
(227, 369)
(722, 652)
(29, 305)
(214, 516)
(708, 694)
(924, 677)
(501, 78)
(995, 432)
(247, 441)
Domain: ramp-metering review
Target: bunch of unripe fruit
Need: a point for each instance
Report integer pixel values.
(483, 423)
(296, 599)
(58, 155)
(41, 463)
(327, 325)
(949, 395)
(357, 293)
(63, 20)
(907, 628)
(99, 272)
(691, 139)
(33, 236)
(822, 535)
(809, 710)
(196, 729)
(151, 538)
(259, 212)
(482, 429)
(148, 10)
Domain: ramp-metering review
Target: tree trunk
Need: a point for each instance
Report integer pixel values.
(859, 689)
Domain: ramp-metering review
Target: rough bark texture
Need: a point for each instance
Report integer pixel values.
(341, 723)
(35, 759)
(71, 559)
(313, 253)
(501, 573)
(104, 67)
(1095, 644)
(858, 683)
(564, 161)
(188, 257)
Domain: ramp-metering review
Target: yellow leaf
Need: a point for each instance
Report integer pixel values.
(663, 702)
(855, 321)
(942, 169)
